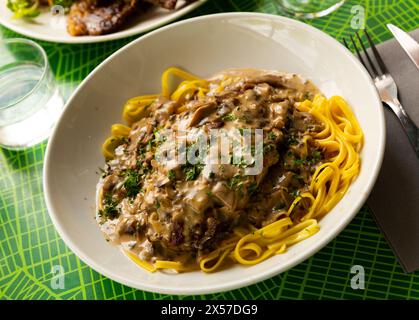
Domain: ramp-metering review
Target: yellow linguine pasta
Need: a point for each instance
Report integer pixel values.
(341, 140)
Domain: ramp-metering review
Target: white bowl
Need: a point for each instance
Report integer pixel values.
(202, 45)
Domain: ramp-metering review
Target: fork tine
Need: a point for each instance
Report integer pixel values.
(376, 54)
(374, 70)
(359, 56)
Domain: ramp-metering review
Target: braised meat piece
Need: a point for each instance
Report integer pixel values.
(97, 17)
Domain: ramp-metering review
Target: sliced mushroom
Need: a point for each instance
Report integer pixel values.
(224, 195)
(202, 112)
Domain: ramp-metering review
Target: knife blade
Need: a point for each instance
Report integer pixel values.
(410, 45)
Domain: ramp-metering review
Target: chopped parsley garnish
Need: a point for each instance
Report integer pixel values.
(159, 138)
(316, 155)
(235, 183)
(171, 175)
(228, 117)
(132, 182)
(298, 162)
(271, 136)
(242, 163)
(292, 141)
(192, 171)
(141, 151)
(109, 207)
(150, 144)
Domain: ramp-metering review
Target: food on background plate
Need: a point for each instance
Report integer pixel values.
(89, 17)
(96, 17)
(205, 215)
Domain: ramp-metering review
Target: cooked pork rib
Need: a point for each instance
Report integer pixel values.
(96, 17)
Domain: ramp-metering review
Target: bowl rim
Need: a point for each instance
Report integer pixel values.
(254, 278)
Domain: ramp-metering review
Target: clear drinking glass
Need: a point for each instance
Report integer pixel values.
(30, 102)
(310, 9)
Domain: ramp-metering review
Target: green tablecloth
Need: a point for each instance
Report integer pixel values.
(30, 246)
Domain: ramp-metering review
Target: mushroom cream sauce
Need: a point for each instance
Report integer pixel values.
(204, 216)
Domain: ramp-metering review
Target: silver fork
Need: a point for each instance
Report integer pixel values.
(386, 87)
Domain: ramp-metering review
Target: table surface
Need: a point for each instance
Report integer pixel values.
(30, 248)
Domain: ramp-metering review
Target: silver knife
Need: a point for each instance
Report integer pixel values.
(410, 45)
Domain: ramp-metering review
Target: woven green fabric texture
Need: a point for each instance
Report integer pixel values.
(30, 246)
